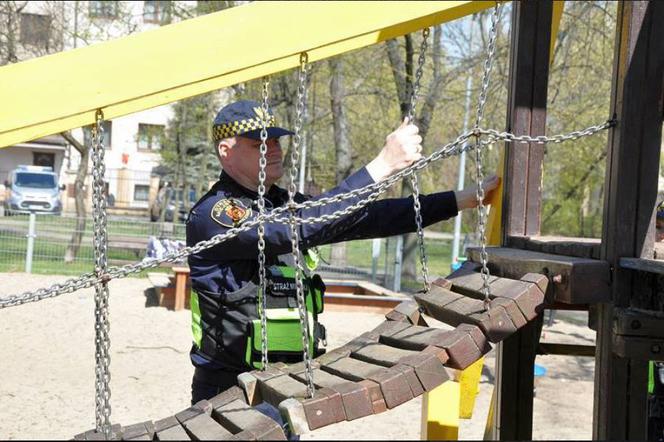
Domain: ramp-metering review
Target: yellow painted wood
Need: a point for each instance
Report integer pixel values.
(489, 433)
(441, 406)
(556, 16)
(62, 91)
(469, 380)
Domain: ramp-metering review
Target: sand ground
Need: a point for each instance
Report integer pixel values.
(47, 369)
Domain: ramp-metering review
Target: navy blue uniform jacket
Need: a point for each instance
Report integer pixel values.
(222, 272)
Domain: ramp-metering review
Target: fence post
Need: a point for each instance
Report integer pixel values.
(375, 254)
(398, 257)
(31, 243)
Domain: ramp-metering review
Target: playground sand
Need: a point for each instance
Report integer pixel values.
(47, 369)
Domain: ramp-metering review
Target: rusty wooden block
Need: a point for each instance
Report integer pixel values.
(460, 347)
(170, 429)
(512, 310)
(412, 337)
(377, 401)
(410, 309)
(443, 283)
(394, 315)
(204, 427)
(225, 397)
(380, 354)
(141, 431)
(237, 416)
(356, 400)
(428, 367)
(248, 435)
(189, 413)
(455, 309)
(541, 281)
(352, 369)
(325, 408)
(280, 388)
(414, 383)
(477, 335)
(526, 295)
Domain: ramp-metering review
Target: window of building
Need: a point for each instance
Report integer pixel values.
(150, 136)
(43, 159)
(156, 12)
(35, 29)
(103, 9)
(107, 127)
(141, 192)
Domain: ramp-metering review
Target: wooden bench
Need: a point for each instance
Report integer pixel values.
(173, 291)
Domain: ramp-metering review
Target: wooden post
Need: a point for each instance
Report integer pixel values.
(526, 114)
(629, 209)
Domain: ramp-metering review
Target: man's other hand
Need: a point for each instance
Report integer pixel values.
(467, 198)
(402, 148)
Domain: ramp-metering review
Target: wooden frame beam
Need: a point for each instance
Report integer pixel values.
(629, 210)
(62, 91)
(526, 114)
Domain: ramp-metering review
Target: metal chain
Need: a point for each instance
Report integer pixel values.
(481, 102)
(413, 178)
(262, 163)
(368, 193)
(102, 340)
(295, 237)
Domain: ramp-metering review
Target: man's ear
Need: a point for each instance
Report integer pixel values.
(223, 147)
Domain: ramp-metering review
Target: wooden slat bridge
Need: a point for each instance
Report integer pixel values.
(381, 369)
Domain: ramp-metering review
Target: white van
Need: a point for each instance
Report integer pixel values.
(34, 189)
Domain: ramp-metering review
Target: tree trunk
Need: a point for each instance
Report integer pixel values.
(342, 144)
(403, 72)
(81, 196)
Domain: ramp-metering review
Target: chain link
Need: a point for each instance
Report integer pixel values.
(262, 163)
(413, 178)
(369, 193)
(295, 237)
(102, 325)
(481, 102)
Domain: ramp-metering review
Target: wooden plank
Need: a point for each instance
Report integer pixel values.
(460, 347)
(638, 323)
(99, 84)
(455, 309)
(237, 416)
(526, 114)
(578, 247)
(643, 348)
(375, 395)
(204, 427)
(429, 369)
(325, 408)
(629, 208)
(140, 431)
(170, 429)
(393, 384)
(407, 311)
(643, 265)
(380, 354)
(576, 280)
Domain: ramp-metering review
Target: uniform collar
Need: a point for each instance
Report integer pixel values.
(274, 193)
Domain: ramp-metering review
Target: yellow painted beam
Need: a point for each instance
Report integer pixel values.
(469, 380)
(556, 16)
(62, 91)
(441, 406)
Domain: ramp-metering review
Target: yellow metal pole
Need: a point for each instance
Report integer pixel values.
(469, 380)
(62, 91)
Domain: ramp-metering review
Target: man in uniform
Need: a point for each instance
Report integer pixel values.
(225, 277)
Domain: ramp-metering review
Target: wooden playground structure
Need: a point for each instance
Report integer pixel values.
(614, 278)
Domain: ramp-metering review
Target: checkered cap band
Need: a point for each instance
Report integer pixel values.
(239, 127)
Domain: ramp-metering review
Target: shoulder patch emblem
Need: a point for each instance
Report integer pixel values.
(230, 212)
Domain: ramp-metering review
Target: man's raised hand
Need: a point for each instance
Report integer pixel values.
(402, 148)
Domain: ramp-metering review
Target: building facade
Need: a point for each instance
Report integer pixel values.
(132, 142)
